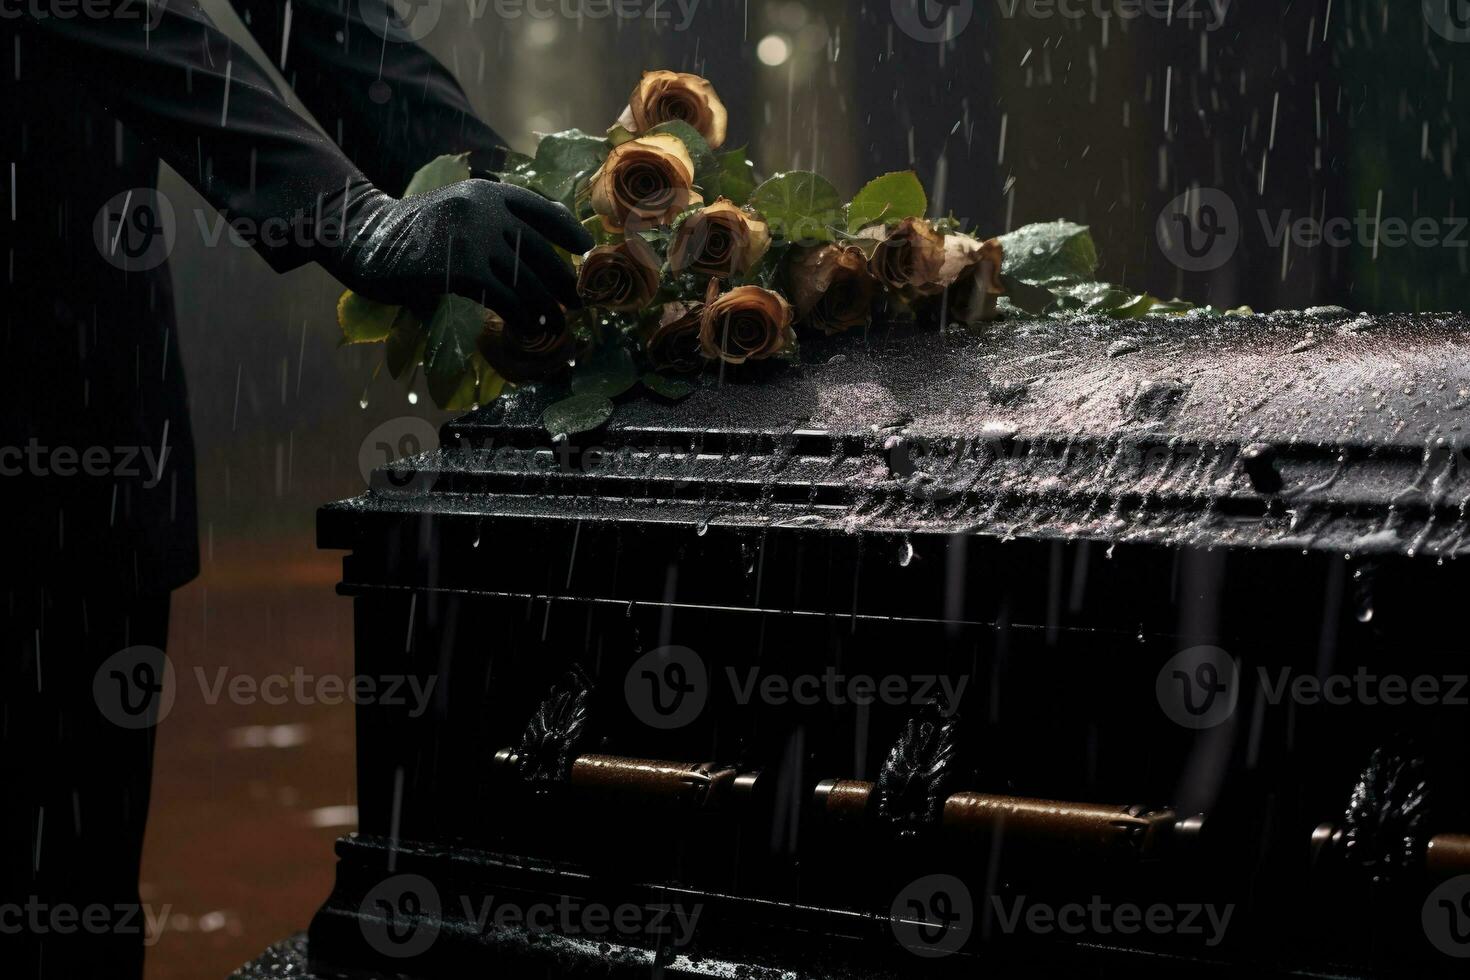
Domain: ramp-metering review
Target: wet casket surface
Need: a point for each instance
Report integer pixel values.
(936, 653)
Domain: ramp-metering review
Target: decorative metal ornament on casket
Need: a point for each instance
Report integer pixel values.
(1056, 652)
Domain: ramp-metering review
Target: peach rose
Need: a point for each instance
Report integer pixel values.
(746, 324)
(908, 259)
(832, 288)
(619, 277)
(672, 96)
(644, 182)
(720, 240)
(674, 343)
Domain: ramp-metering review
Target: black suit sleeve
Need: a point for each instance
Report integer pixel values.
(207, 108)
(391, 106)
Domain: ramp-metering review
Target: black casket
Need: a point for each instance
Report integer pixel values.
(1087, 648)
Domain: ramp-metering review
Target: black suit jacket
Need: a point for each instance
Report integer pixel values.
(96, 457)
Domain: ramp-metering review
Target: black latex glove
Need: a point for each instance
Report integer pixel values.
(483, 240)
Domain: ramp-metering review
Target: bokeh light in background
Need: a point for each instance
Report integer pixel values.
(773, 50)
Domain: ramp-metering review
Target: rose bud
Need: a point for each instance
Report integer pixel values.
(524, 353)
(746, 324)
(973, 290)
(645, 182)
(832, 288)
(619, 277)
(674, 343)
(671, 96)
(720, 240)
(908, 259)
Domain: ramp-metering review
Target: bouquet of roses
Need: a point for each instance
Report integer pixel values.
(700, 267)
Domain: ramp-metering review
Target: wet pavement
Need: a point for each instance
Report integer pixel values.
(249, 795)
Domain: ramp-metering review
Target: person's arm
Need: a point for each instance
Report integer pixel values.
(390, 105)
(210, 111)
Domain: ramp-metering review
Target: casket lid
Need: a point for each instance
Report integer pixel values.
(1316, 430)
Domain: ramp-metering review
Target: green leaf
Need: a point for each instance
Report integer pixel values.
(439, 172)
(405, 345)
(564, 161)
(518, 169)
(579, 413)
(618, 134)
(492, 385)
(1085, 294)
(456, 324)
(1105, 299)
(1171, 307)
(1126, 306)
(608, 372)
(706, 168)
(799, 206)
(1032, 299)
(737, 176)
(889, 199)
(1053, 253)
(664, 386)
(517, 163)
(364, 321)
(479, 385)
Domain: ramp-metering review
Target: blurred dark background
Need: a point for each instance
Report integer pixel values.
(1298, 109)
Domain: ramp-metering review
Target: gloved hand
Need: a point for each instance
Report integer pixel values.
(486, 241)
